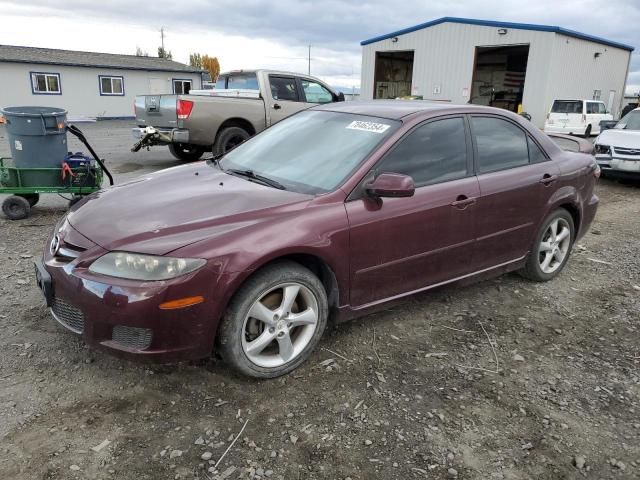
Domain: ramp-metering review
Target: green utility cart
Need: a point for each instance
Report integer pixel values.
(26, 184)
(40, 161)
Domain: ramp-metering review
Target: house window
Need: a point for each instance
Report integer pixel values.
(111, 85)
(45, 83)
(181, 86)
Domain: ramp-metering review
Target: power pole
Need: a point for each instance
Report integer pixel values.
(162, 38)
(309, 68)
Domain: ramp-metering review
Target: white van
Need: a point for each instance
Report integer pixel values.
(576, 117)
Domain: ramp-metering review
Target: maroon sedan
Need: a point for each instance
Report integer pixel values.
(334, 211)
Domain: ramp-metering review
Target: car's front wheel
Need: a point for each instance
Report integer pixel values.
(274, 321)
(551, 248)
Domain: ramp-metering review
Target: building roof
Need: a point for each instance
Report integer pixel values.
(491, 23)
(50, 56)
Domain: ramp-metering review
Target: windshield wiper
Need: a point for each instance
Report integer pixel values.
(250, 174)
(216, 161)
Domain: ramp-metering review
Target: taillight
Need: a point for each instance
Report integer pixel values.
(184, 108)
(596, 171)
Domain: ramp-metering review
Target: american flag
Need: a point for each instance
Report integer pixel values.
(514, 79)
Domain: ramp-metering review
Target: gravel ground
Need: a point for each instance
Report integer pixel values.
(500, 379)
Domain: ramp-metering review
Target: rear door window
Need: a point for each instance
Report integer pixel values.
(567, 106)
(284, 88)
(499, 144)
(432, 153)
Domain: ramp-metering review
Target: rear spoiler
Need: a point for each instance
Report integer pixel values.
(227, 92)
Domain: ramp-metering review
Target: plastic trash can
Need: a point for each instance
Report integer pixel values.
(37, 136)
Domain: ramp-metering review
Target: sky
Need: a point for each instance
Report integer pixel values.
(276, 33)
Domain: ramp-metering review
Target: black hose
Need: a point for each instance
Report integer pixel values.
(78, 133)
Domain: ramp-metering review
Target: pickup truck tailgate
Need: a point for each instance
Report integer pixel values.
(156, 110)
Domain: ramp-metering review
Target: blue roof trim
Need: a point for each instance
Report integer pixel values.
(491, 23)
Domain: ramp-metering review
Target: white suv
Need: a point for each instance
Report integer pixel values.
(576, 117)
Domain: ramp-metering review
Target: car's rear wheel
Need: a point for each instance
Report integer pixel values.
(186, 152)
(229, 138)
(274, 321)
(552, 247)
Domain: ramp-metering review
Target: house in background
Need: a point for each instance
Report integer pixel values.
(87, 84)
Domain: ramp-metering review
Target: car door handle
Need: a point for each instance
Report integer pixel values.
(547, 179)
(463, 202)
(276, 106)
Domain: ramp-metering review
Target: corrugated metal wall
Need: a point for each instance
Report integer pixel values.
(445, 54)
(576, 72)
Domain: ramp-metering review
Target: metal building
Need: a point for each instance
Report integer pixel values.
(519, 67)
(87, 84)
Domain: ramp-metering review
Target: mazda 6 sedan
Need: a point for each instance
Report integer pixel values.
(330, 213)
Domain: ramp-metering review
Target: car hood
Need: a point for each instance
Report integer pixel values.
(620, 138)
(175, 207)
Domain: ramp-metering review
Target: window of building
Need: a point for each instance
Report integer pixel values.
(181, 87)
(45, 83)
(499, 143)
(111, 85)
(316, 93)
(432, 153)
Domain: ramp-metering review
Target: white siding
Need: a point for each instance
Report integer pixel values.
(445, 53)
(80, 90)
(576, 73)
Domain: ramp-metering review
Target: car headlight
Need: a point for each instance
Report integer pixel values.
(603, 149)
(136, 266)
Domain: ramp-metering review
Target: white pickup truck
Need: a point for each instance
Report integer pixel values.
(242, 104)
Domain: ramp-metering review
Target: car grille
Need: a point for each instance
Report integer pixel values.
(634, 152)
(132, 337)
(67, 315)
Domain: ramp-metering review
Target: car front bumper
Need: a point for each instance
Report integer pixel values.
(622, 166)
(124, 316)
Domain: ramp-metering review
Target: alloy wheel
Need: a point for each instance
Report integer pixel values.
(555, 244)
(279, 325)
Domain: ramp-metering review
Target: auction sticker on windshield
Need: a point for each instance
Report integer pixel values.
(368, 126)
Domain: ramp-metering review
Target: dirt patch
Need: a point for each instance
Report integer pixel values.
(421, 401)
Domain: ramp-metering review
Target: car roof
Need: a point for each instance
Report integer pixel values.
(577, 100)
(398, 109)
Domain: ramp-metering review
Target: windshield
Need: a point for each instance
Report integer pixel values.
(631, 121)
(311, 152)
(567, 106)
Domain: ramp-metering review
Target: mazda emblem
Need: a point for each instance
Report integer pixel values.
(55, 245)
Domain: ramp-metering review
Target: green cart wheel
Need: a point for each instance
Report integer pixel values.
(16, 208)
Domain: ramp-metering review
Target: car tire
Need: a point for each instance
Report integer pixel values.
(587, 132)
(286, 327)
(32, 198)
(16, 207)
(186, 152)
(549, 253)
(229, 138)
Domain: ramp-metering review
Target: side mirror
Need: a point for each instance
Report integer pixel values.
(392, 185)
(340, 97)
